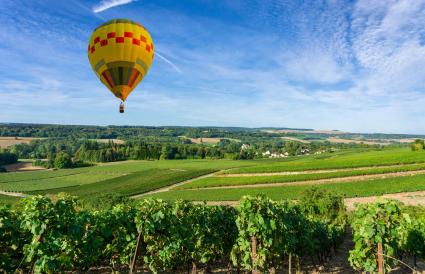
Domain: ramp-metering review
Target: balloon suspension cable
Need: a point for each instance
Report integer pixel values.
(122, 107)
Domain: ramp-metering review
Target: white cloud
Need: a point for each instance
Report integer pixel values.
(314, 66)
(166, 60)
(354, 67)
(107, 4)
(387, 43)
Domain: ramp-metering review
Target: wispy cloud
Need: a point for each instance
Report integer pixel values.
(107, 4)
(349, 65)
(166, 60)
(88, 9)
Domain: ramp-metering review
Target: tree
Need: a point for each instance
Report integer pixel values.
(63, 160)
(418, 144)
(7, 158)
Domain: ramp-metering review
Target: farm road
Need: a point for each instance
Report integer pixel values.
(14, 194)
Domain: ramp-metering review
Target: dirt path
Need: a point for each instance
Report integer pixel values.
(408, 198)
(14, 194)
(309, 171)
(323, 181)
(168, 188)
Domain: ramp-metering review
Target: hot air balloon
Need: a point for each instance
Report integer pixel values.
(120, 52)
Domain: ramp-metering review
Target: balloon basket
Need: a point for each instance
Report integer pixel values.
(121, 108)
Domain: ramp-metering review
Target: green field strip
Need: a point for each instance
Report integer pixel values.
(217, 181)
(348, 189)
(57, 182)
(10, 177)
(132, 184)
(135, 166)
(382, 157)
(6, 199)
(68, 178)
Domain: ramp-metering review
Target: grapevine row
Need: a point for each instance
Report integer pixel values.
(260, 234)
(398, 231)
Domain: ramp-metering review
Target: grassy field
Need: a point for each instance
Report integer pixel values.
(4, 199)
(217, 181)
(131, 184)
(382, 157)
(58, 182)
(12, 177)
(348, 189)
(132, 177)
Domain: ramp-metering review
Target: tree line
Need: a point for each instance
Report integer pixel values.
(7, 158)
(171, 132)
(75, 152)
(93, 151)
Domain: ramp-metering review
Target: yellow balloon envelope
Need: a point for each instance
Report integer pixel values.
(120, 51)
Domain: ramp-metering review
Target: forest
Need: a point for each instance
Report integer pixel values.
(66, 146)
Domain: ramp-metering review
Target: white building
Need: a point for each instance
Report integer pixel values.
(245, 146)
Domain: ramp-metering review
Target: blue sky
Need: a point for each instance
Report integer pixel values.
(350, 65)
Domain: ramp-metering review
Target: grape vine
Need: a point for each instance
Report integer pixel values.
(41, 235)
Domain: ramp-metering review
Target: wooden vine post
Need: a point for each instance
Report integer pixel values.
(136, 253)
(254, 255)
(380, 259)
(194, 271)
(39, 240)
(290, 263)
(298, 265)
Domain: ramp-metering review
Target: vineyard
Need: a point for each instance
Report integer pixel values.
(259, 235)
(289, 216)
(351, 173)
(123, 178)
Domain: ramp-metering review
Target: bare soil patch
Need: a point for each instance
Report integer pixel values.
(347, 141)
(10, 141)
(313, 131)
(405, 140)
(22, 166)
(296, 139)
(115, 141)
(416, 198)
(208, 140)
(205, 140)
(14, 194)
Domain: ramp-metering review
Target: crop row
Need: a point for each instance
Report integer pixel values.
(62, 179)
(251, 180)
(47, 237)
(260, 234)
(382, 157)
(131, 184)
(362, 188)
